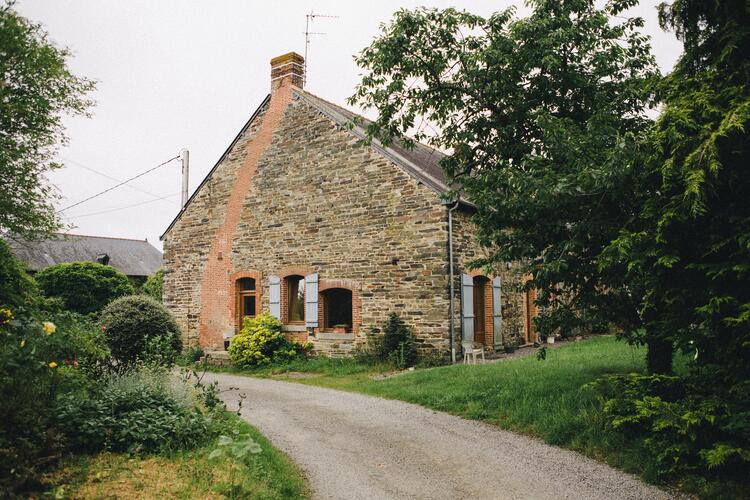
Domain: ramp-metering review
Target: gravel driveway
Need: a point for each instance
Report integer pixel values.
(352, 446)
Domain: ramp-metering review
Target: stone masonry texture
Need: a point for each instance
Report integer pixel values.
(299, 194)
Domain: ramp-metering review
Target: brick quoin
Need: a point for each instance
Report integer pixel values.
(216, 304)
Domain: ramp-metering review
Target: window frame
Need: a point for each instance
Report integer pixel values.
(324, 304)
(235, 290)
(287, 298)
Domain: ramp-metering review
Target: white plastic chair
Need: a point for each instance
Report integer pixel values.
(471, 349)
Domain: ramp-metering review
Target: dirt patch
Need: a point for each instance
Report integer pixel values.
(118, 476)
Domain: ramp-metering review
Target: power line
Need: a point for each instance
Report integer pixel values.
(117, 185)
(115, 209)
(90, 169)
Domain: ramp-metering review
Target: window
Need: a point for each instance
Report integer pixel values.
(247, 300)
(337, 309)
(295, 288)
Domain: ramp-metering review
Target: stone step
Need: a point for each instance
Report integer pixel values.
(217, 358)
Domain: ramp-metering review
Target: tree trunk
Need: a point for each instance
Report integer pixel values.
(659, 355)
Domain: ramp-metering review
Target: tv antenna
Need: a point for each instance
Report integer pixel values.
(308, 18)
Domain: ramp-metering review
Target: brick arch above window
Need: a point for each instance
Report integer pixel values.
(347, 284)
(293, 270)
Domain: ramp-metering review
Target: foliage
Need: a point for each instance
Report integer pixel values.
(543, 116)
(268, 475)
(38, 360)
(16, 286)
(136, 412)
(396, 344)
(687, 426)
(690, 230)
(37, 91)
(261, 341)
(190, 355)
(138, 328)
(154, 285)
(84, 287)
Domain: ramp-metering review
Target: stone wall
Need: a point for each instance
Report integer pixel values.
(321, 202)
(313, 199)
(187, 243)
(466, 249)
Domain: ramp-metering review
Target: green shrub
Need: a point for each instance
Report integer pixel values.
(16, 286)
(154, 285)
(688, 425)
(139, 412)
(261, 341)
(39, 360)
(190, 356)
(395, 345)
(138, 328)
(84, 287)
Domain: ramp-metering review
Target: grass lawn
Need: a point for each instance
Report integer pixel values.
(538, 398)
(187, 474)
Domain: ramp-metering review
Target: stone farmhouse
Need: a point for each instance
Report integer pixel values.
(301, 218)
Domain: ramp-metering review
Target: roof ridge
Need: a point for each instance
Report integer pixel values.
(103, 237)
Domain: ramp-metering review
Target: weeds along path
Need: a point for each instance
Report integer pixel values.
(352, 446)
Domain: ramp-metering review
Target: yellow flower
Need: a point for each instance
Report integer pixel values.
(23, 342)
(49, 327)
(6, 316)
(52, 364)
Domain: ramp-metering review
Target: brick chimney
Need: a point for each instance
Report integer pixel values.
(287, 70)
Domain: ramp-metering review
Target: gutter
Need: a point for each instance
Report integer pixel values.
(452, 297)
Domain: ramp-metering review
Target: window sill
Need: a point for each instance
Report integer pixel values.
(334, 336)
(294, 328)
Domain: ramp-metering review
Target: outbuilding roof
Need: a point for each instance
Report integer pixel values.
(130, 257)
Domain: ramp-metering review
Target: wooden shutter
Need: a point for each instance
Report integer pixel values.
(467, 308)
(274, 296)
(497, 310)
(311, 300)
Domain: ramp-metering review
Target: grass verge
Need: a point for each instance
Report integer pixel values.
(185, 474)
(544, 399)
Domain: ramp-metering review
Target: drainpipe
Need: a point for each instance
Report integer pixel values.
(452, 281)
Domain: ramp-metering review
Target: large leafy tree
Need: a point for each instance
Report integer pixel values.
(543, 117)
(36, 91)
(690, 234)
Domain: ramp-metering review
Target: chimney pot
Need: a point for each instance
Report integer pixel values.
(287, 70)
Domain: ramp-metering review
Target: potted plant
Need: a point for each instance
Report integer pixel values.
(340, 328)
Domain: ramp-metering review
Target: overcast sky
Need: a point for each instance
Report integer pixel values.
(188, 74)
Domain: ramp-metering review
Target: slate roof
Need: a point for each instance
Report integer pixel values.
(421, 162)
(130, 257)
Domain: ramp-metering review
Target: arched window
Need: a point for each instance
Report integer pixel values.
(337, 309)
(295, 295)
(247, 299)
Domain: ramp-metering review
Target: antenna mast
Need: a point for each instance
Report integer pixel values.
(311, 17)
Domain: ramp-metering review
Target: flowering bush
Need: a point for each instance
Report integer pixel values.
(261, 341)
(38, 360)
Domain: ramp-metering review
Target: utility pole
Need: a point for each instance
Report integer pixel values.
(185, 159)
(311, 17)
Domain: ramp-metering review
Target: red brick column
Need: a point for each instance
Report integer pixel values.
(216, 304)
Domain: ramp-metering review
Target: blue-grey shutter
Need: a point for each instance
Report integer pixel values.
(497, 310)
(467, 308)
(311, 300)
(274, 296)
